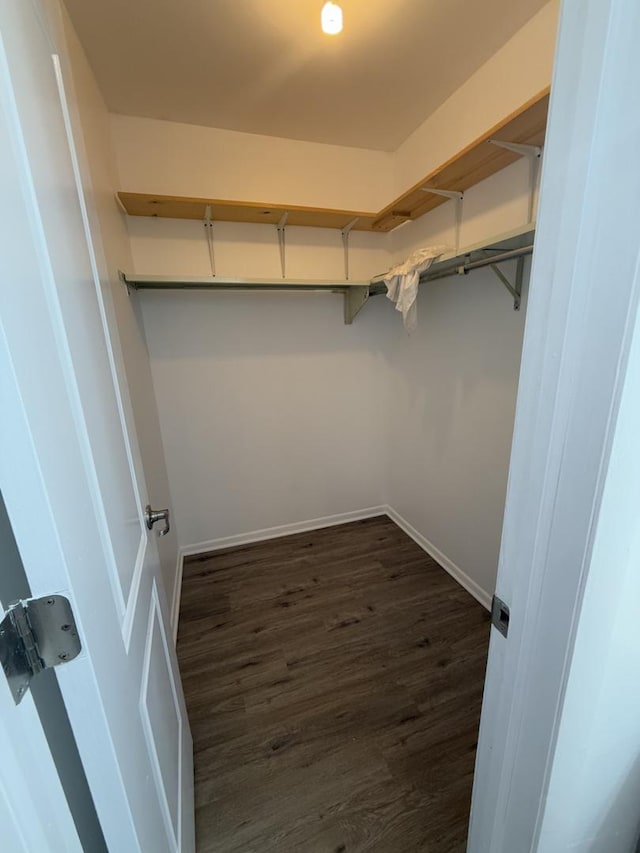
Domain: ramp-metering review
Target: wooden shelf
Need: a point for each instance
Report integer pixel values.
(473, 164)
(178, 207)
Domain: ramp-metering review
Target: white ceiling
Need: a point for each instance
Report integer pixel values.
(264, 66)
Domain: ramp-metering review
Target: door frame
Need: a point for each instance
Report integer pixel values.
(34, 812)
(583, 303)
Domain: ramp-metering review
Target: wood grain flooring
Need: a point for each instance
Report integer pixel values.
(333, 681)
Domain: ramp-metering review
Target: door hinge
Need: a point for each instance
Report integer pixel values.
(36, 634)
(500, 615)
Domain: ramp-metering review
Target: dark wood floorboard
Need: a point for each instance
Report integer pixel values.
(333, 681)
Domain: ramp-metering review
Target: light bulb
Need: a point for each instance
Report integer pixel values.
(331, 18)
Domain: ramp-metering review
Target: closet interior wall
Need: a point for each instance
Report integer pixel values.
(453, 383)
(275, 415)
(173, 158)
(273, 411)
(269, 412)
(452, 390)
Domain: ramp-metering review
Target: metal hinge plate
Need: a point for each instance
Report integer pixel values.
(500, 615)
(36, 634)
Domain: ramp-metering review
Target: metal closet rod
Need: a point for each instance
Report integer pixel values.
(461, 269)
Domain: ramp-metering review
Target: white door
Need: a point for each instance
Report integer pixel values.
(581, 314)
(69, 464)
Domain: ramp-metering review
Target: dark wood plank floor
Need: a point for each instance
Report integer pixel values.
(333, 681)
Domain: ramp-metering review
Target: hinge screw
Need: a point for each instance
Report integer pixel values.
(65, 627)
(50, 601)
(63, 656)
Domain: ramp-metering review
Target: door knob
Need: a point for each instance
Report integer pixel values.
(153, 515)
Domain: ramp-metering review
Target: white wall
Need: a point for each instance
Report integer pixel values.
(453, 391)
(114, 240)
(248, 167)
(453, 387)
(272, 410)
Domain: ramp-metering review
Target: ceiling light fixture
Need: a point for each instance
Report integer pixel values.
(331, 19)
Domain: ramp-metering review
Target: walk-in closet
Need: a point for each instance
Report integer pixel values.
(310, 230)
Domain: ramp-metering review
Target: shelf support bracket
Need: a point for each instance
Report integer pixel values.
(345, 244)
(208, 230)
(355, 298)
(514, 289)
(280, 229)
(457, 197)
(123, 279)
(534, 153)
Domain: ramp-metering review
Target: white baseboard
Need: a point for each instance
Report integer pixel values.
(448, 565)
(281, 530)
(316, 524)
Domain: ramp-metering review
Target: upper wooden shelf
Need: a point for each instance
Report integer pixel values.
(180, 207)
(473, 164)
